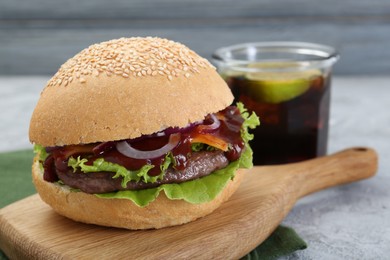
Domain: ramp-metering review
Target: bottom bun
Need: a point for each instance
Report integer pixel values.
(123, 213)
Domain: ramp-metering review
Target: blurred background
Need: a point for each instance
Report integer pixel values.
(37, 36)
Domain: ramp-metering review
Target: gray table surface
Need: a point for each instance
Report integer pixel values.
(346, 222)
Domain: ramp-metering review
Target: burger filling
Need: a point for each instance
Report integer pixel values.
(171, 156)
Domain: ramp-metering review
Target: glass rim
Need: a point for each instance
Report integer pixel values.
(325, 56)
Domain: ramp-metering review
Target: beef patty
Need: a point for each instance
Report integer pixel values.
(200, 164)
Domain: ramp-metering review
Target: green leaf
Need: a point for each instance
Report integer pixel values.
(41, 151)
(140, 197)
(168, 160)
(196, 191)
(250, 121)
(245, 160)
(196, 147)
(100, 165)
(282, 242)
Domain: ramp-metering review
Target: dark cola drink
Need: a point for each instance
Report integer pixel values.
(294, 113)
(287, 84)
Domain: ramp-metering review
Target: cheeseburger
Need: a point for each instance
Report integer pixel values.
(138, 133)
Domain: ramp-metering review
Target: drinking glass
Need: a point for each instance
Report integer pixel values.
(288, 85)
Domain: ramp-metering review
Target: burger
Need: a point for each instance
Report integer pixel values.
(138, 133)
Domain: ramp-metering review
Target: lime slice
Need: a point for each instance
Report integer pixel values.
(226, 74)
(277, 87)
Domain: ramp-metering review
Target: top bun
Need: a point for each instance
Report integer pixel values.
(125, 88)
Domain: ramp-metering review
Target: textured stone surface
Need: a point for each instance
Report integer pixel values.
(346, 222)
(351, 221)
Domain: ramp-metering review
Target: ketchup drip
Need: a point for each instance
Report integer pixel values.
(229, 131)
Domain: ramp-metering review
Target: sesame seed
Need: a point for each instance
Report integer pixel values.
(131, 57)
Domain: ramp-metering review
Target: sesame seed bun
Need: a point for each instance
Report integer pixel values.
(122, 89)
(122, 213)
(125, 88)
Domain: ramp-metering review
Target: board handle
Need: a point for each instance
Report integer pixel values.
(347, 166)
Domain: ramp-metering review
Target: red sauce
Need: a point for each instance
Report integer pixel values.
(229, 131)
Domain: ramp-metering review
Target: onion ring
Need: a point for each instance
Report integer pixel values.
(209, 128)
(126, 149)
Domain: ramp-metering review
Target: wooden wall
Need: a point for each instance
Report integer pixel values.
(37, 36)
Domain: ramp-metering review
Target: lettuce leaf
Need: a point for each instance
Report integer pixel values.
(42, 154)
(100, 165)
(41, 151)
(250, 121)
(197, 191)
(196, 147)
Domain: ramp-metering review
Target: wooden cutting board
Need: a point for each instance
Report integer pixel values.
(29, 229)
